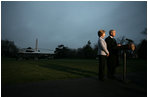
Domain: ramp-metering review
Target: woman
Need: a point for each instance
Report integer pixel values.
(102, 53)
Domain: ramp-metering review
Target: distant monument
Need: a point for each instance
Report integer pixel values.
(36, 45)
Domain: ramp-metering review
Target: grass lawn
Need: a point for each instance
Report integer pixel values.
(13, 72)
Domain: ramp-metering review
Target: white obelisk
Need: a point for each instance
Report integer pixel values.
(36, 46)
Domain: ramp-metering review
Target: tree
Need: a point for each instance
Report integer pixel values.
(88, 51)
(95, 50)
(144, 31)
(121, 40)
(142, 46)
(61, 51)
(142, 49)
(8, 48)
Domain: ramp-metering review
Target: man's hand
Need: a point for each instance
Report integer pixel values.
(118, 44)
(107, 55)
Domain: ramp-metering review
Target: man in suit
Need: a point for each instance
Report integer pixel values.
(113, 48)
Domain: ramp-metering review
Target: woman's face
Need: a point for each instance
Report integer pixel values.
(103, 35)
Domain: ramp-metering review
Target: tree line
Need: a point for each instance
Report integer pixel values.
(9, 49)
(86, 52)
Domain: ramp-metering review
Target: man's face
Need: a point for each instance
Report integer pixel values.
(113, 34)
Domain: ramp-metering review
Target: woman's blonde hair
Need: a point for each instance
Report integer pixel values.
(101, 32)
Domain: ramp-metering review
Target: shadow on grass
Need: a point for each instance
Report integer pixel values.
(75, 71)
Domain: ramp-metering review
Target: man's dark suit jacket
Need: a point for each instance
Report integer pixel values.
(112, 46)
(113, 50)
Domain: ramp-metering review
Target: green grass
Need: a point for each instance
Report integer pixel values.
(24, 71)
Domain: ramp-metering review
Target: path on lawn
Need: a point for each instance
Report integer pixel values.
(85, 87)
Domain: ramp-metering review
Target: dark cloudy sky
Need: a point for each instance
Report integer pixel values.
(70, 23)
